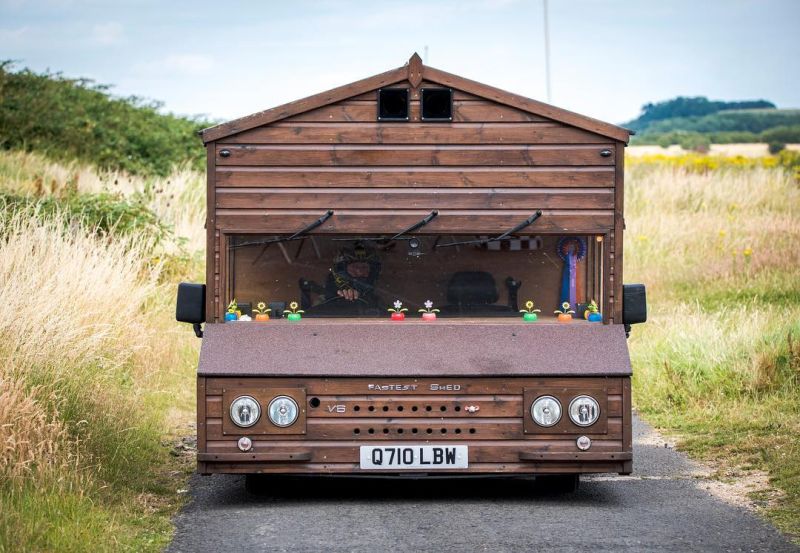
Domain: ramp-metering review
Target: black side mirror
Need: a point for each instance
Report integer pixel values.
(191, 305)
(634, 305)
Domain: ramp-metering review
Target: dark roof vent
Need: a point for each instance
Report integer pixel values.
(437, 104)
(393, 104)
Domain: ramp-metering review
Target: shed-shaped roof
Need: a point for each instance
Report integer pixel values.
(415, 72)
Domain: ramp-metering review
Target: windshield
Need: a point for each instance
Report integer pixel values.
(336, 276)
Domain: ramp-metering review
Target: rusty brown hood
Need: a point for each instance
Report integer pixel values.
(318, 347)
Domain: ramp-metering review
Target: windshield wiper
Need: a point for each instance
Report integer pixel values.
(526, 223)
(300, 234)
(400, 235)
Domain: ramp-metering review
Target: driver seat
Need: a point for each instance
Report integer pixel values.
(474, 293)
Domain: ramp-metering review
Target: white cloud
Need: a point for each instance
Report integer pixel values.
(192, 65)
(107, 33)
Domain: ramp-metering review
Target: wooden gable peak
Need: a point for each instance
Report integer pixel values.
(414, 71)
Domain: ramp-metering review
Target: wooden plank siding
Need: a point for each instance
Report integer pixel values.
(485, 171)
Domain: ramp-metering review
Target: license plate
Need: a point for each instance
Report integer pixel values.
(403, 457)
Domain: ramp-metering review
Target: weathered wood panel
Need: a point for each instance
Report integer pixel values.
(416, 156)
(416, 133)
(442, 177)
(481, 451)
(412, 406)
(365, 111)
(426, 429)
(418, 198)
(382, 221)
(471, 386)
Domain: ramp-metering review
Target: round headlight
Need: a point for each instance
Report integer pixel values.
(546, 411)
(584, 410)
(283, 411)
(245, 411)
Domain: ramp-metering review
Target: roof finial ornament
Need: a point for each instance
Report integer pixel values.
(415, 68)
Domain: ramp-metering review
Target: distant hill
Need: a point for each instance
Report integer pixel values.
(696, 121)
(77, 119)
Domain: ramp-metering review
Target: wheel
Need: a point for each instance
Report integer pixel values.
(558, 483)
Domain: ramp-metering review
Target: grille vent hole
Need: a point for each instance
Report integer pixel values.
(314, 402)
(458, 408)
(414, 431)
(429, 431)
(356, 408)
(399, 430)
(371, 430)
(443, 408)
(385, 408)
(458, 431)
(471, 430)
(399, 407)
(415, 408)
(444, 430)
(428, 407)
(371, 407)
(356, 431)
(385, 430)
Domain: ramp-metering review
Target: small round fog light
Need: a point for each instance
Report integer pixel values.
(583, 443)
(283, 411)
(245, 443)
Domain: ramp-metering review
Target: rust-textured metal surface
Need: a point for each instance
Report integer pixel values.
(324, 347)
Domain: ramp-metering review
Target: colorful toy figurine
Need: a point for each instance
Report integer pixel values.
(398, 313)
(593, 314)
(529, 312)
(293, 314)
(428, 314)
(262, 311)
(231, 313)
(565, 313)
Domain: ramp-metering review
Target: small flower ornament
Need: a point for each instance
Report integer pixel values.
(231, 313)
(398, 313)
(593, 314)
(293, 314)
(529, 313)
(428, 314)
(565, 313)
(262, 311)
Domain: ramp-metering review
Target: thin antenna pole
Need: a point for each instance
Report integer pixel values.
(547, 53)
(425, 56)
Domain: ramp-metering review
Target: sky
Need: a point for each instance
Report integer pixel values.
(226, 59)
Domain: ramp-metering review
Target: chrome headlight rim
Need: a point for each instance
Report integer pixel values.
(255, 419)
(584, 424)
(296, 407)
(560, 410)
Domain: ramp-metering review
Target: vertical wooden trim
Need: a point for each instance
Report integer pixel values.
(211, 223)
(619, 226)
(201, 421)
(224, 272)
(627, 422)
(605, 255)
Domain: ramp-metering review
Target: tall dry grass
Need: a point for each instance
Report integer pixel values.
(92, 366)
(718, 361)
(178, 200)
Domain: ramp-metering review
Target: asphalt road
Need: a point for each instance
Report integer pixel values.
(661, 507)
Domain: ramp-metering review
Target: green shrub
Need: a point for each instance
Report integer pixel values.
(68, 119)
(775, 147)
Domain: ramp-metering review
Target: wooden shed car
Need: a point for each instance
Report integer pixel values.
(384, 264)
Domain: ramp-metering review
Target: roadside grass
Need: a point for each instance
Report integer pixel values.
(718, 362)
(95, 375)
